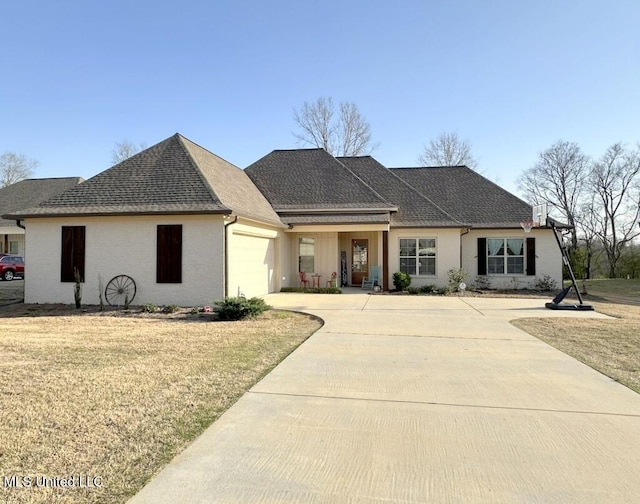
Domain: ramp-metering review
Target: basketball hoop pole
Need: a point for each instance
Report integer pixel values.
(555, 304)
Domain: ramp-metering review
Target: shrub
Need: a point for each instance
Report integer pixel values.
(413, 290)
(77, 288)
(170, 309)
(456, 277)
(428, 289)
(443, 291)
(401, 280)
(546, 283)
(239, 308)
(482, 282)
(149, 308)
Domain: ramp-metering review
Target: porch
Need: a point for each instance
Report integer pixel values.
(350, 254)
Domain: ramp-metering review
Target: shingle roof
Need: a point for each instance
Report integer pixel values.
(172, 177)
(311, 179)
(467, 195)
(414, 208)
(31, 192)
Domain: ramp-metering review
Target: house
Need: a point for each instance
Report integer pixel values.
(189, 227)
(24, 194)
(352, 213)
(183, 223)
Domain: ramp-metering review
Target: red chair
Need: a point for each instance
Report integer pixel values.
(303, 280)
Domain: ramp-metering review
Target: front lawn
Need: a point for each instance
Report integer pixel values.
(117, 397)
(610, 346)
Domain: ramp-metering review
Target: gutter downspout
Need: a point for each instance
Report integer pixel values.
(226, 256)
(461, 235)
(20, 225)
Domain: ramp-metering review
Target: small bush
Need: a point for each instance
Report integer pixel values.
(149, 308)
(401, 280)
(413, 290)
(546, 283)
(428, 289)
(482, 283)
(443, 291)
(239, 308)
(456, 277)
(170, 309)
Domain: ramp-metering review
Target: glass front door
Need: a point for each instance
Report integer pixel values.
(359, 261)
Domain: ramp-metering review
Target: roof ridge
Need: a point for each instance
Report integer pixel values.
(47, 178)
(181, 139)
(436, 167)
(367, 185)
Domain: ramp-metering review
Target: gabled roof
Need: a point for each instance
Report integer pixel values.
(467, 195)
(31, 192)
(312, 179)
(414, 208)
(175, 176)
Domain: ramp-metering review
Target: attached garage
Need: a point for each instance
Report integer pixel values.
(252, 262)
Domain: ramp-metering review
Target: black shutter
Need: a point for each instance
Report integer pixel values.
(531, 256)
(169, 254)
(73, 252)
(482, 256)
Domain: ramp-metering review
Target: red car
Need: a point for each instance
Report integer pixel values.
(11, 266)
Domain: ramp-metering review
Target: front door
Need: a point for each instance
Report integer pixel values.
(359, 261)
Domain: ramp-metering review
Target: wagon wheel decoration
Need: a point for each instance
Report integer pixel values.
(119, 290)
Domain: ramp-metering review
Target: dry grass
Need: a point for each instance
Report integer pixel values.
(610, 346)
(118, 397)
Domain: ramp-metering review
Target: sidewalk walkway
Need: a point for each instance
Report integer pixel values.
(417, 399)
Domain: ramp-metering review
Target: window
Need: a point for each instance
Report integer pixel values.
(14, 247)
(306, 255)
(169, 254)
(418, 256)
(505, 256)
(73, 238)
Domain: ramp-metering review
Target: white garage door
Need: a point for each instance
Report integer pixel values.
(254, 265)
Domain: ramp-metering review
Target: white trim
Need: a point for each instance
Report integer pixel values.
(420, 237)
(339, 228)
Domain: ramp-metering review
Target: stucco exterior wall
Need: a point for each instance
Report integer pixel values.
(447, 253)
(548, 260)
(126, 245)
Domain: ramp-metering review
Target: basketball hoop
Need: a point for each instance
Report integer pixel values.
(527, 225)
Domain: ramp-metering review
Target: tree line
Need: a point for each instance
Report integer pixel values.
(598, 197)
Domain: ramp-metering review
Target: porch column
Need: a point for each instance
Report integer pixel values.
(383, 247)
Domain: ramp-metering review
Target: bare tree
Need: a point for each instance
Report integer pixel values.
(448, 150)
(15, 167)
(124, 150)
(558, 179)
(345, 134)
(588, 239)
(615, 179)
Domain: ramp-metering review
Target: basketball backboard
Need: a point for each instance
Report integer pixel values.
(539, 216)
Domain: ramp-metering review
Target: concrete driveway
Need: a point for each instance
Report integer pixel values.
(422, 400)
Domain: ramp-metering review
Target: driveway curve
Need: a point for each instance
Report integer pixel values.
(417, 400)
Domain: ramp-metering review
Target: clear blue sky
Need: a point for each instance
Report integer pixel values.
(512, 77)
